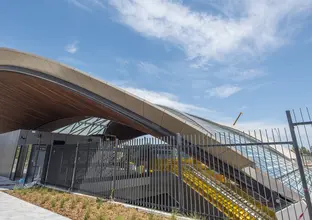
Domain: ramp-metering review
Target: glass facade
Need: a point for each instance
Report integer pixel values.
(293, 181)
(86, 127)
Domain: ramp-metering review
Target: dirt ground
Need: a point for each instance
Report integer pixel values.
(80, 207)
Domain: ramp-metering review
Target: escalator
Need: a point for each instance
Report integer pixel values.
(215, 189)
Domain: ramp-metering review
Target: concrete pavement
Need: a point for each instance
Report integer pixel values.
(12, 208)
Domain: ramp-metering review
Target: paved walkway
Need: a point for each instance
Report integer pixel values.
(15, 209)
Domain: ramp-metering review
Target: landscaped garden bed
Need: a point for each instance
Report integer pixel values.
(80, 207)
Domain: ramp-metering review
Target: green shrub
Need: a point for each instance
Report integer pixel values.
(133, 217)
(173, 216)
(101, 216)
(150, 216)
(35, 199)
(195, 216)
(85, 203)
(16, 189)
(99, 202)
(87, 215)
(53, 203)
(73, 203)
(62, 203)
(43, 190)
(44, 200)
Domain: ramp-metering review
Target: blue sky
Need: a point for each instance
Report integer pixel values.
(213, 58)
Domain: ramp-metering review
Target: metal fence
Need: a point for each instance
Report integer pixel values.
(229, 175)
(300, 124)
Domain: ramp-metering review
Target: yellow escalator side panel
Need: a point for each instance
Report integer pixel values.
(223, 204)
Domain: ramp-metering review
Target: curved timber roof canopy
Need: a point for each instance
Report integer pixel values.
(36, 92)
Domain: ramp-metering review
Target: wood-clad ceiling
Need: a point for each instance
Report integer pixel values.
(28, 102)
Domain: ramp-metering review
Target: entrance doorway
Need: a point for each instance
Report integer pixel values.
(29, 162)
(20, 164)
(36, 162)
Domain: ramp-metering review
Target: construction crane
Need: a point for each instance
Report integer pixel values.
(237, 118)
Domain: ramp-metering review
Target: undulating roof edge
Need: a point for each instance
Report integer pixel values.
(138, 110)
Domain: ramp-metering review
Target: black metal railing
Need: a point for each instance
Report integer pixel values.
(235, 175)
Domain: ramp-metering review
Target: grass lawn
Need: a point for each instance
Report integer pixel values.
(80, 207)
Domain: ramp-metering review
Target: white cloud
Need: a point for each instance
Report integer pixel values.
(242, 107)
(78, 4)
(87, 4)
(224, 91)
(122, 66)
(72, 47)
(143, 67)
(245, 27)
(163, 98)
(122, 61)
(172, 101)
(149, 68)
(236, 74)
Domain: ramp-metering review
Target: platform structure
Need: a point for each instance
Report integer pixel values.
(62, 127)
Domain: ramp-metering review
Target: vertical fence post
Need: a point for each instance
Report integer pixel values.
(48, 165)
(74, 169)
(180, 184)
(300, 166)
(114, 171)
(128, 162)
(36, 160)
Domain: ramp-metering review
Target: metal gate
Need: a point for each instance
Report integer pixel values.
(61, 165)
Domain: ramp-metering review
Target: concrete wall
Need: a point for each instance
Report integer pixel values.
(98, 187)
(9, 142)
(8, 145)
